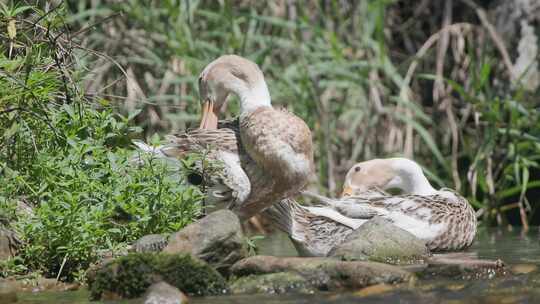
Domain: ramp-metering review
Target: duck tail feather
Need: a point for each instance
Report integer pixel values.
(281, 214)
(159, 152)
(143, 147)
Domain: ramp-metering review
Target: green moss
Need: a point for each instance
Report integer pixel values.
(129, 276)
(190, 275)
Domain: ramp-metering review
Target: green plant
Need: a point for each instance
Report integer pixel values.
(70, 159)
(90, 197)
(504, 143)
(251, 244)
(12, 266)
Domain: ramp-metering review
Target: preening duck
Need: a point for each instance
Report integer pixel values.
(273, 154)
(442, 218)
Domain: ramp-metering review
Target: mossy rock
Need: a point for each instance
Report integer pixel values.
(216, 239)
(379, 240)
(272, 283)
(129, 276)
(324, 273)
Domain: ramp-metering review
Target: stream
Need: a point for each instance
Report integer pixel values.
(519, 250)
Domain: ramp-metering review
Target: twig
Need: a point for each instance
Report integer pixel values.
(405, 91)
(439, 90)
(438, 87)
(427, 45)
(87, 28)
(62, 267)
(6, 111)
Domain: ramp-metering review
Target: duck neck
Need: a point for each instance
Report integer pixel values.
(252, 98)
(412, 179)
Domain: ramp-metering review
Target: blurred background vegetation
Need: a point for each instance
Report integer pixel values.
(452, 84)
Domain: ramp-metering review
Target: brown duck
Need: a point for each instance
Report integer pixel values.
(266, 154)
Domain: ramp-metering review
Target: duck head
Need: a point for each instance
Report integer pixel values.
(231, 74)
(391, 173)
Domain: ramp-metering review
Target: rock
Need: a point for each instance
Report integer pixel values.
(272, 283)
(381, 241)
(46, 284)
(129, 276)
(374, 290)
(37, 285)
(24, 210)
(325, 273)
(8, 292)
(217, 239)
(523, 268)
(163, 293)
(151, 243)
(459, 266)
(8, 243)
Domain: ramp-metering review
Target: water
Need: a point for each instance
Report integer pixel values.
(519, 250)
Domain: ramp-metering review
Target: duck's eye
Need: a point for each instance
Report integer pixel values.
(357, 169)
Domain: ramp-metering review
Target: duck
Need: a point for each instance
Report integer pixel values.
(442, 218)
(267, 153)
(313, 230)
(216, 166)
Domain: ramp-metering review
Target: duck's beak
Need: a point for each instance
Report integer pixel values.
(347, 191)
(209, 119)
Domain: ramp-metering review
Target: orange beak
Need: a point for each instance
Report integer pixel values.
(347, 191)
(209, 119)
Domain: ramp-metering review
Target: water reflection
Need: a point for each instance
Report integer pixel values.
(513, 246)
(519, 250)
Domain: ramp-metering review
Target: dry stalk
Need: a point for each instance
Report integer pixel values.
(499, 43)
(442, 92)
(406, 92)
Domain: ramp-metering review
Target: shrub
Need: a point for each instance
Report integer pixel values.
(68, 157)
(89, 197)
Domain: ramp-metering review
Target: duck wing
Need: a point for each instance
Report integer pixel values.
(226, 138)
(445, 220)
(280, 144)
(228, 183)
(347, 209)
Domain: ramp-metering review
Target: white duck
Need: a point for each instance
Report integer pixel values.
(442, 218)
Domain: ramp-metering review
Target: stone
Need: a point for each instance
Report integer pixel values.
(216, 239)
(379, 240)
(325, 273)
(8, 243)
(163, 293)
(24, 210)
(151, 243)
(8, 292)
(38, 284)
(523, 268)
(374, 290)
(272, 283)
(129, 276)
(461, 267)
